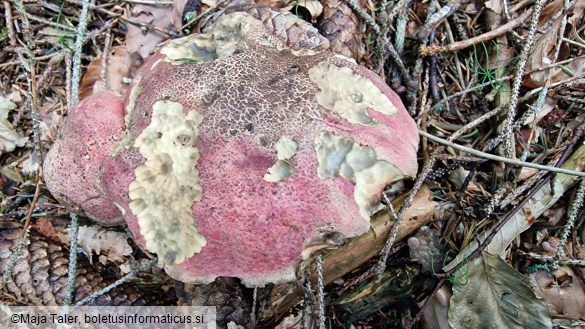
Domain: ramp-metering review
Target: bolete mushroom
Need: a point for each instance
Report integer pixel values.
(72, 165)
(238, 152)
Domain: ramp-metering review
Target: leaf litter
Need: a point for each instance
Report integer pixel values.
(461, 220)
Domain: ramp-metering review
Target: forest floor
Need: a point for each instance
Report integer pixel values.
(497, 90)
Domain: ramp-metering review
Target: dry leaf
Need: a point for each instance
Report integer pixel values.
(177, 13)
(120, 70)
(436, 312)
(564, 292)
(9, 138)
(30, 164)
(145, 42)
(492, 294)
(544, 47)
(45, 227)
(547, 107)
(314, 7)
(101, 241)
(50, 113)
(494, 5)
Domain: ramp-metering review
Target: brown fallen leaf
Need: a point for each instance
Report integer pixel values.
(545, 46)
(45, 227)
(563, 291)
(120, 69)
(143, 41)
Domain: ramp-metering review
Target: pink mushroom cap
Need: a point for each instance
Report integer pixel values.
(239, 153)
(71, 168)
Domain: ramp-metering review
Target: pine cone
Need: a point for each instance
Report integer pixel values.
(40, 274)
(225, 293)
(288, 28)
(340, 26)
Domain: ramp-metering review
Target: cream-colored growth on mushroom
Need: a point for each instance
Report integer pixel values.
(126, 140)
(286, 148)
(341, 156)
(167, 184)
(349, 94)
(220, 42)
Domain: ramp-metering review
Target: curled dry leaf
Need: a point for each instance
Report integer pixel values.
(101, 241)
(545, 46)
(549, 105)
(563, 291)
(120, 70)
(145, 41)
(9, 138)
(314, 7)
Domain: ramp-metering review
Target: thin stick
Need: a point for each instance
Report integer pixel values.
(499, 158)
(72, 272)
(364, 15)
(380, 266)
(567, 228)
(76, 74)
(320, 292)
(435, 50)
(437, 18)
(9, 23)
(118, 282)
(520, 68)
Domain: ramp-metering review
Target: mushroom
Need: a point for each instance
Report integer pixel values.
(238, 152)
(72, 165)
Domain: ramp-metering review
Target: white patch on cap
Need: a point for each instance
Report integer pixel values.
(341, 156)
(167, 184)
(349, 94)
(286, 148)
(218, 42)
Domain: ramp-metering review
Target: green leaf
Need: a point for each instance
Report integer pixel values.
(496, 296)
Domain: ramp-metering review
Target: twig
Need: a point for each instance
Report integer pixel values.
(520, 68)
(364, 16)
(561, 261)
(320, 292)
(9, 23)
(124, 18)
(13, 257)
(26, 28)
(437, 18)
(151, 2)
(398, 7)
(435, 50)
(307, 301)
(105, 58)
(380, 266)
(509, 77)
(50, 23)
(68, 64)
(118, 282)
(412, 82)
(425, 304)
(577, 204)
(499, 158)
(72, 271)
(37, 147)
(76, 73)
(253, 313)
